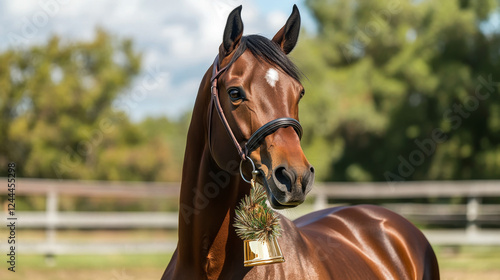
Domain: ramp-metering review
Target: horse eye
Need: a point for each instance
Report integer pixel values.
(235, 94)
(302, 92)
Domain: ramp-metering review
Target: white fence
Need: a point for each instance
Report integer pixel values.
(472, 214)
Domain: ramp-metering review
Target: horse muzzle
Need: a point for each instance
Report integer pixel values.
(288, 187)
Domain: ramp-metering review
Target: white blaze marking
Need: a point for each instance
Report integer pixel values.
(272, 77)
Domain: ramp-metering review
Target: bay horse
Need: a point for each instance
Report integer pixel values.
(255, 118)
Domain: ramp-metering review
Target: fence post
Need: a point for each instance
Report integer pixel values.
(321, 201)
(51, 208)
(473, 204)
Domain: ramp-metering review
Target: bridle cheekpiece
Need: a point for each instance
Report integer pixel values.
(258, 136)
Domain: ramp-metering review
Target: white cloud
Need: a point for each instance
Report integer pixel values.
(21, 7)
(277, 19)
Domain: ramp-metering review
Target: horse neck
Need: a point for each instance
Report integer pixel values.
(208, 198)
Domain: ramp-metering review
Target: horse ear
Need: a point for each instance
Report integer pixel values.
(232, 33)
(289, 34)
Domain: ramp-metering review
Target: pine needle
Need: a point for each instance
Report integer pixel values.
(254, 219)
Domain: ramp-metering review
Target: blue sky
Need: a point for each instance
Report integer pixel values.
(179, 39)
(308, 22)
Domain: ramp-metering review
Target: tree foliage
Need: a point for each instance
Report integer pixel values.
(402, 90)
(397, 90)
(60, 120)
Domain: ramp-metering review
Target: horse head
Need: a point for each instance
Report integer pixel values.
(259, 88)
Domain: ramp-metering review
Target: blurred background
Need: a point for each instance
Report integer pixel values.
(402, 109)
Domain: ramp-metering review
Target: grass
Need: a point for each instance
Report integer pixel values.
(96, 267)
(39, 262)
(469, 258)
(456, 263)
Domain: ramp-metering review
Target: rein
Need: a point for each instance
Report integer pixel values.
(258, 136)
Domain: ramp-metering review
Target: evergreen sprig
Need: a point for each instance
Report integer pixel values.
(254, 219)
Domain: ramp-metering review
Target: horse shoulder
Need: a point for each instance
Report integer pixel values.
(299, 263)
(388, 243)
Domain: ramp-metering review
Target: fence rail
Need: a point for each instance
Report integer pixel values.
(472, 215)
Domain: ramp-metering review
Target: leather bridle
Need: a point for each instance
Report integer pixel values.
(256, 138)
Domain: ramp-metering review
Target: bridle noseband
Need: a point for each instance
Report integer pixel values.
(256, 138)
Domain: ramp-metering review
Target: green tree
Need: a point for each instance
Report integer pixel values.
(402, 90)
(53, 97)
(157, 156)
(60, 118)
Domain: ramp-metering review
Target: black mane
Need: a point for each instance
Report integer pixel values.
(261, 47)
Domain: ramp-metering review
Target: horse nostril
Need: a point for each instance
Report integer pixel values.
(283, 177)
(308, 180)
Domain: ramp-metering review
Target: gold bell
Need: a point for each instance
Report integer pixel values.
(259, 252)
